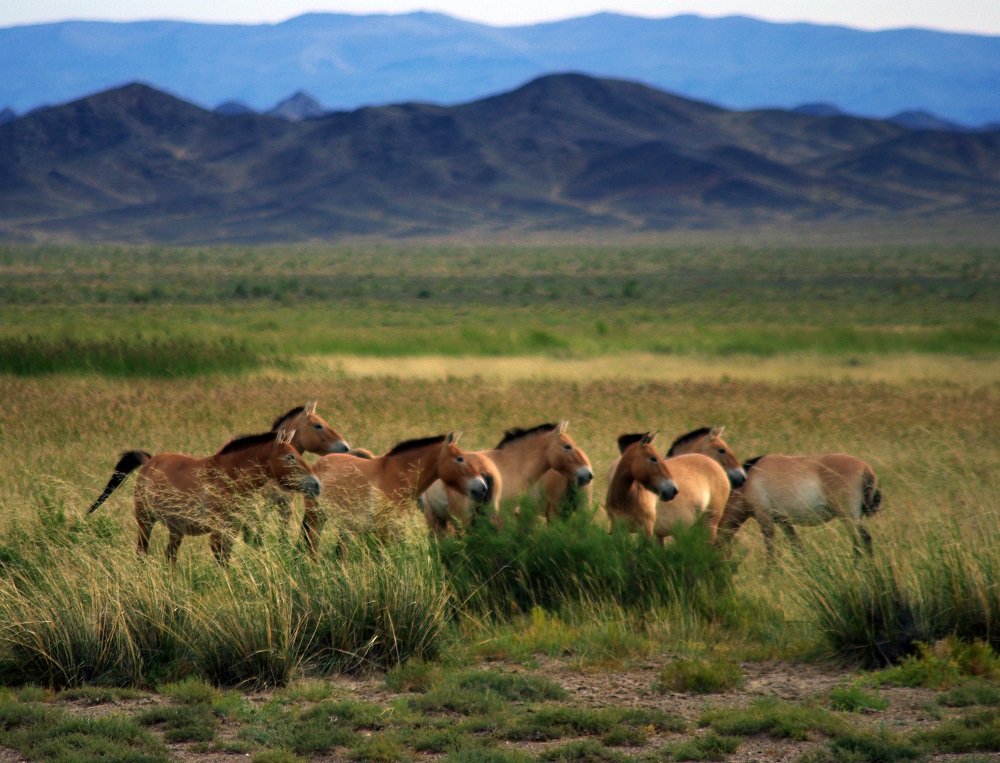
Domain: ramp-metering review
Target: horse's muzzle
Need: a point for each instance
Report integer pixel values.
(477, 488)
(584, 476)
(668, 491)
(338, 447)
(737, 477)
(309, 486)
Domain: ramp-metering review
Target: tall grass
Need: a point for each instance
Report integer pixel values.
(528, 563)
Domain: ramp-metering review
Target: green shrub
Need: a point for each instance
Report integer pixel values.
(700, 676)
(854, 699)
(781, 720)
(707, 746)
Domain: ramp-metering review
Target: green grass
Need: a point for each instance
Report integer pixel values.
(706, 746)
(977, 731)
(777, 719)
(853, 698)
(700, 676)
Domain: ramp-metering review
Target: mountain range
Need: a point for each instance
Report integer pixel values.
(347, 61)
(561, 153)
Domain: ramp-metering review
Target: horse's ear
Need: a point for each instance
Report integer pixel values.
(561, 429)
(280, 436)
(311, 406)
(649, 437)
(716, 432)
(452, 437)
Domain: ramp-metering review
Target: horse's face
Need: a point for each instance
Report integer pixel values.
(715, 447)
(289, 470)
(565, 457)
(648, 469)
(313, 435)
(457, 470)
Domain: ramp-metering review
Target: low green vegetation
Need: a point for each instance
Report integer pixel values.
(700, 676)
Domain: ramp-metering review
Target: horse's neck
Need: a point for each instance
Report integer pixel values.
(520, 463)
(408, 474)
(692, 446)
(247, 465)
(620, 488)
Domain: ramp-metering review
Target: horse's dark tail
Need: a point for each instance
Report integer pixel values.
(871, 495)
(128, 463)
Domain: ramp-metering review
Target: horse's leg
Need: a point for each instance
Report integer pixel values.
(312, 524)
(791, 534)
(866, 539)
(767, 530)
(173, 545)
(144, 521)
(221, 544)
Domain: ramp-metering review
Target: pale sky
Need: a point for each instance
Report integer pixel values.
(978, 16)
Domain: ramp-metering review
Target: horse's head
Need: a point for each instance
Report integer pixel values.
(458, 471)
(565, 457)
(713, 446)
(314, 435)
(287, 467)
(643, 464)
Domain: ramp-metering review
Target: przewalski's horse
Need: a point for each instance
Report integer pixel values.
(521, 458)
(312, 435)
(194, 496)
(460, 509)
(352, 484)
(639, 482)
(804, 490)
(704, 469)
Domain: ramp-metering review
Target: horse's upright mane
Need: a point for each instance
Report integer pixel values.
(418, 443)
(517, 433)
(294, 412)
(748, 465)
(627, 439)
(246, 441)
(686, 438)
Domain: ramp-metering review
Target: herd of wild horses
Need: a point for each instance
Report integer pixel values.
(698, 480)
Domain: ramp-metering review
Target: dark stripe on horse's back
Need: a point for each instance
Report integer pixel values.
(246, 441)
(294, 412)
(627, 439)
(517, 433)
(418, 443)
(748, 465)
(686, 438)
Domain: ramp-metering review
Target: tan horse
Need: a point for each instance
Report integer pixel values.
(702, 467)
(312, 435)
(353, 483)
(804, 490)
(194, 496)
(521, 458)
(461, 510)
(639, 482)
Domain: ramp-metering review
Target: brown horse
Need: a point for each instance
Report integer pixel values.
(639, 482)
(194, 496)
(521, 458)
(702, 466)
(353, 483)
(804, 490)
(312, 435)
(461, 510)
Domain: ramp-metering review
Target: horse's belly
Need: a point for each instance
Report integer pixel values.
(667, 515)
(806, 506)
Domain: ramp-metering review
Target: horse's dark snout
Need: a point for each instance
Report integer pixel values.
(309, 486)
(737, 477)
(478, 489)
(338, 447)
(668, 491)
(584, 476)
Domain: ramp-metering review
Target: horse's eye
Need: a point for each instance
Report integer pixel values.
(652, 459)
(318, 426)
(722, 451)
(567, 447)
(459, 460)
(290, 458)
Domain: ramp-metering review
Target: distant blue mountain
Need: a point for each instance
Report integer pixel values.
(346, 61)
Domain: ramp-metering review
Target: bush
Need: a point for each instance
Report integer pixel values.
(700, 676)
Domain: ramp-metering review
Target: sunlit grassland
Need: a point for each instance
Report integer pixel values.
(889, 353)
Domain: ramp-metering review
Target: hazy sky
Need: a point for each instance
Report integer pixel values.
(980, 16)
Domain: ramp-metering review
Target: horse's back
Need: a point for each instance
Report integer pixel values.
(807, 489)
(174, 471)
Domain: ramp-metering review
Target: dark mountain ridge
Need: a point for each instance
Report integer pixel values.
(561, 153)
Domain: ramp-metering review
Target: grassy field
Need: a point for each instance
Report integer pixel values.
(887, 353)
